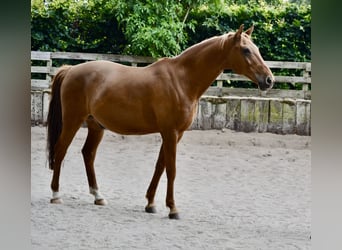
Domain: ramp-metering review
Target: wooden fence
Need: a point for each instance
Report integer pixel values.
(282, 111)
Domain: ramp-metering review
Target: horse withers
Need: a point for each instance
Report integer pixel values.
(159, 98)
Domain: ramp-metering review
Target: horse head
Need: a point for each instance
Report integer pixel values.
(245, 59)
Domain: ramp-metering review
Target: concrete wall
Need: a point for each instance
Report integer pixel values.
(254, 114)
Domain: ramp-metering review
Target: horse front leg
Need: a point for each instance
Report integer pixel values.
(151, 191)
(170, 141)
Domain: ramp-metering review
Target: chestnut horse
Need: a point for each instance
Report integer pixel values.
(159, 98)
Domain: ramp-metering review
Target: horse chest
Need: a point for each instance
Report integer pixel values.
(184, 116)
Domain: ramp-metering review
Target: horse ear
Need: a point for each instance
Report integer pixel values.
(239, 32)
(250, 30)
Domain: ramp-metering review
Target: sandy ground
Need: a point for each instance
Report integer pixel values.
(233, 190)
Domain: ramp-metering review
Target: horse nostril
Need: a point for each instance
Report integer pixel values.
(269, 80)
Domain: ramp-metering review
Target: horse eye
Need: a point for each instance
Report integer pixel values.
(246, 51)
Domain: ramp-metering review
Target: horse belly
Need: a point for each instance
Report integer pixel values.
(126, 119)
(129, 126)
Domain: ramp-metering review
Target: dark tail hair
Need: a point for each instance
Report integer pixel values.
(54, 119)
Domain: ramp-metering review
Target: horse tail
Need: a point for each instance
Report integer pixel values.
(54, 118)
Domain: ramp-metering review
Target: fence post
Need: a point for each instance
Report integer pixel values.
(261, 115)
(233, 112)
(289, 116)
(303, 115)
(247, 115)
(205, 114)
(46, 102)
(275, 124)
(49, 70)
(219, 83)
(36, 107)
(306, 74)
(219, 114)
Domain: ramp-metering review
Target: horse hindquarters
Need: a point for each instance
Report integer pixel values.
(54, 119)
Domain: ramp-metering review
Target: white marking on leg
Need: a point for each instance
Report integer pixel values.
(56, 199)
(96, 193)
(55, 195)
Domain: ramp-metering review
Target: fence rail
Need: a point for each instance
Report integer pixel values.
(50, 57)
(283, 111)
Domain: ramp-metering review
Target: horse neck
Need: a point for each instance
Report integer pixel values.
(202, 63)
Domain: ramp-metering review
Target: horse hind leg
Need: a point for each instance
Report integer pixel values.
(68, 132)
(151, 191)
(95, 134)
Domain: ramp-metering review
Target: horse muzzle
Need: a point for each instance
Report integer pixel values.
(266, 83)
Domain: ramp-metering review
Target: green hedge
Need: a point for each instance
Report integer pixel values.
(282, 32)
(64, 25)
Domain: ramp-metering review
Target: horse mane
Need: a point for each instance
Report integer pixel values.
(222, 39)
(203, 44)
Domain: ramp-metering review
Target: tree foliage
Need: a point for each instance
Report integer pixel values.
(82, 26)
(166, 27)
(282, 32)
(151, 27)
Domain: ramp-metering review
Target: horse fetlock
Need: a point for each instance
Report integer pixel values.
(99, 200)
(96, 193)
(56, 199)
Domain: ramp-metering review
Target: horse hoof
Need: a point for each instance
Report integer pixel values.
(100, 202)
(174, 216)
(56, 201)
(151, 210)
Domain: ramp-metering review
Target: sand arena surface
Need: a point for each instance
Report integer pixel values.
(233, 191)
